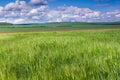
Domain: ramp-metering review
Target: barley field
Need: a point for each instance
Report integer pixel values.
(72, 55)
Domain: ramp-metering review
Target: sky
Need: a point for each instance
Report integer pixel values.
(43, 11)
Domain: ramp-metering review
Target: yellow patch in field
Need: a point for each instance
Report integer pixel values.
(4, 36)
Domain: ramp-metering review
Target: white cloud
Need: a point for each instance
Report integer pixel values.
(72, 13)
(118, 15)
(1, 9)
(18, 20)
(38, 2)
(17, 6)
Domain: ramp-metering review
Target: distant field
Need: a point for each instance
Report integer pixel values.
(57, 26)
(74, 55)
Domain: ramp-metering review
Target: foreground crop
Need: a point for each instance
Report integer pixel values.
(77, 55)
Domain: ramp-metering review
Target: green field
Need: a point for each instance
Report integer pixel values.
(56, 26)
(74, 55)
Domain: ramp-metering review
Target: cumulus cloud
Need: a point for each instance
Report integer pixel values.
(1, 8)
(118, 15)
(20, 20)
(16, 6)
(38, 2)
(20, 12)
(71, 14)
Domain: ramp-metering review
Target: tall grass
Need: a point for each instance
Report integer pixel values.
(75, 55)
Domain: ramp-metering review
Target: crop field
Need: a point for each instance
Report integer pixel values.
(72, 55)
(56, 26)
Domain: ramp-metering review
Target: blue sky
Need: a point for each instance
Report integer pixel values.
(102, 5)
(39, 11)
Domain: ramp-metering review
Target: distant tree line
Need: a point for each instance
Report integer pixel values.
(5, 24)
